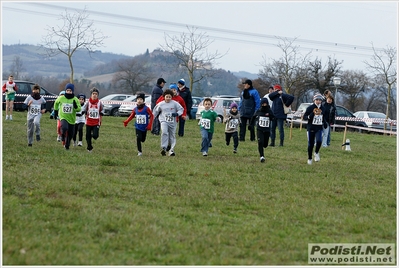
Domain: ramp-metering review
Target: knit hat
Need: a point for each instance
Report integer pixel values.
(173, 86)
(317, 97)
(277, 86)
(181, 82)
(249, 82)
(83, 96)
(70, 86)
(62, 93)
(264, 100)
(160, 80)
(141, 96)
(233, 104)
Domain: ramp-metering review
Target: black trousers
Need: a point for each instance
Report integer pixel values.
(67, 131)
(91, 132)
(78, 130)
(235, 138)
(243, 129)
(140, 137)
(263, 140)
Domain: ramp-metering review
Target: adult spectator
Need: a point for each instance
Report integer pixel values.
(185, 93)
(278, 98)
(267, 97)
(249, 104)
(155, 94)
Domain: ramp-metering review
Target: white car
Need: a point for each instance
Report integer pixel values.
(219, 104)
(126, 108)
(376, 120)
(113, 101)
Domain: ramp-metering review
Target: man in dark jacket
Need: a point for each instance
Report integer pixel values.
(279, 99)
(249, 104)
(185, 93)
(155, 94)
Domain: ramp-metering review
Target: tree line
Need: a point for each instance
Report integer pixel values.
(187, 55)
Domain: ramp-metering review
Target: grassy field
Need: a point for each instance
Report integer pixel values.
(111, 207)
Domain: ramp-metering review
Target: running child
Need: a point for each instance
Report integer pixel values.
(262, 119)
(143, 122)
(206, 123)
(80, 121)
(36, 106)
(167, 110)
(232, 121)
(94, 113)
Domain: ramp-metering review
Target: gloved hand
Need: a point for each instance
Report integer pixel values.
(55, 114)
(6, 90)
(125, 123)
(175, 114)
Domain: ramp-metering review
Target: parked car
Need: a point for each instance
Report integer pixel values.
(194, 108)
(376, 120)
(25, 90)
(127, 107)
(112, 103)
(342, 116)
(219, 103)
(116, 97)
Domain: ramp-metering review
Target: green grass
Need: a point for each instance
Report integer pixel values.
(112, 207)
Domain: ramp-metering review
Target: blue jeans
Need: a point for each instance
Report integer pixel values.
(277, 122)
(206, 140)
(326, 136)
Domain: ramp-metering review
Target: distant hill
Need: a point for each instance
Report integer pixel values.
(35, 62)
(100, 67)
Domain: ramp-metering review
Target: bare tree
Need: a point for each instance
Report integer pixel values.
(77, 32)
(191, 51)
(354, 86)
(383, 66)
(133, 75)
(320, 77)
(290, 69)
(17, 67)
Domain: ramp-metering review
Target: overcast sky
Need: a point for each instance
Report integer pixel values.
(247, 31)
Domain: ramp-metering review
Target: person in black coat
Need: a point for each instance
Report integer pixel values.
(330, 110)
(185, 93)
(278, 98)
(155, 94)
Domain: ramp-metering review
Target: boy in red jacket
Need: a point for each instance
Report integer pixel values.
(94, 113)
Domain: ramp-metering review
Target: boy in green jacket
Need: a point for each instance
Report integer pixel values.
(66, 108)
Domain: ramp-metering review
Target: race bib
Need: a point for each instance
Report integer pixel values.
(233, 123)
(206, 123)
(10, 89)
(169, 117)
(318, 120)
(67, 108)
(34, 109)
(264, 121)
(93, 113)
(141, 119)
